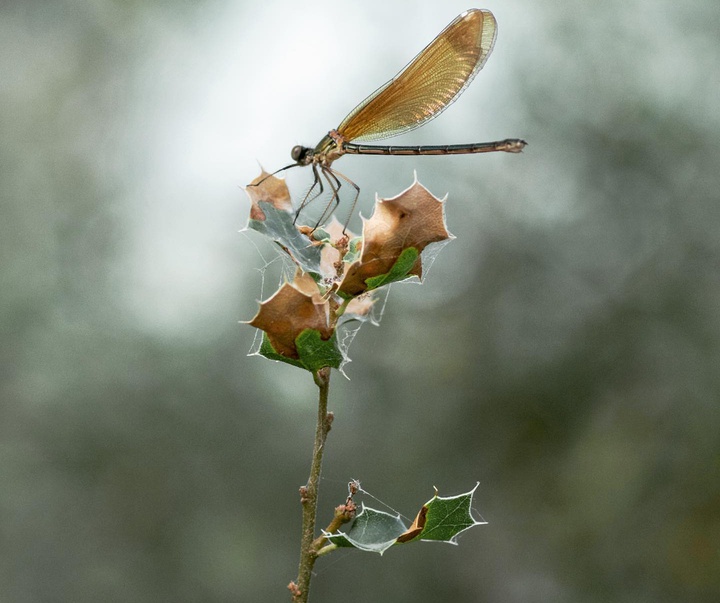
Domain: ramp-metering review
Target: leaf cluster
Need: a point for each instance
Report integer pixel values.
(337, 273)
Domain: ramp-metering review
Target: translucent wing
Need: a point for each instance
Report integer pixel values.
(428, 84)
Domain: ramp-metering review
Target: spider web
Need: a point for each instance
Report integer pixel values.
(280, 268)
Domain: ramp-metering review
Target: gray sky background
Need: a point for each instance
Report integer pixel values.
(563, 350)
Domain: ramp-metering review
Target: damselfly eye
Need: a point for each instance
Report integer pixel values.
(298, 152)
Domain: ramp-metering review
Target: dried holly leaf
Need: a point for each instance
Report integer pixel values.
(393, 239)
(271, 213)
(441, 519)
(296, 329)
(268, 189)
(305, 283)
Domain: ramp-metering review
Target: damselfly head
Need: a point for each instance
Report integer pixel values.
(302, 155)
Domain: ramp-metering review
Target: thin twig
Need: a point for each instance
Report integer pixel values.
(309, 493)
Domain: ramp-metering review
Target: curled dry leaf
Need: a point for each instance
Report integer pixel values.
(270, 190)
(412, 220)
(416, 528)
(362, 305)
(288, 313)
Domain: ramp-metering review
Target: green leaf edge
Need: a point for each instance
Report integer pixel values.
(464, 500)
(315, 353)
(341, 539)
(399, 271)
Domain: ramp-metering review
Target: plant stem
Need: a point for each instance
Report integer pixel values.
(309, 493)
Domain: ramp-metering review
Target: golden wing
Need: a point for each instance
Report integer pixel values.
(428, 84)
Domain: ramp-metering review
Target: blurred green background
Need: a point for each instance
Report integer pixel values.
(563, 351)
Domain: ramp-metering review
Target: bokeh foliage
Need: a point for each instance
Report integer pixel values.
(569, 363)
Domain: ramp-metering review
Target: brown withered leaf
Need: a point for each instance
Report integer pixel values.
(414, 218)
(288, 313)
(416, 528)
(271, 190)
(305, 283)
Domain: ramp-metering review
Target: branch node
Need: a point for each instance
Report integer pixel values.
(294, 590)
